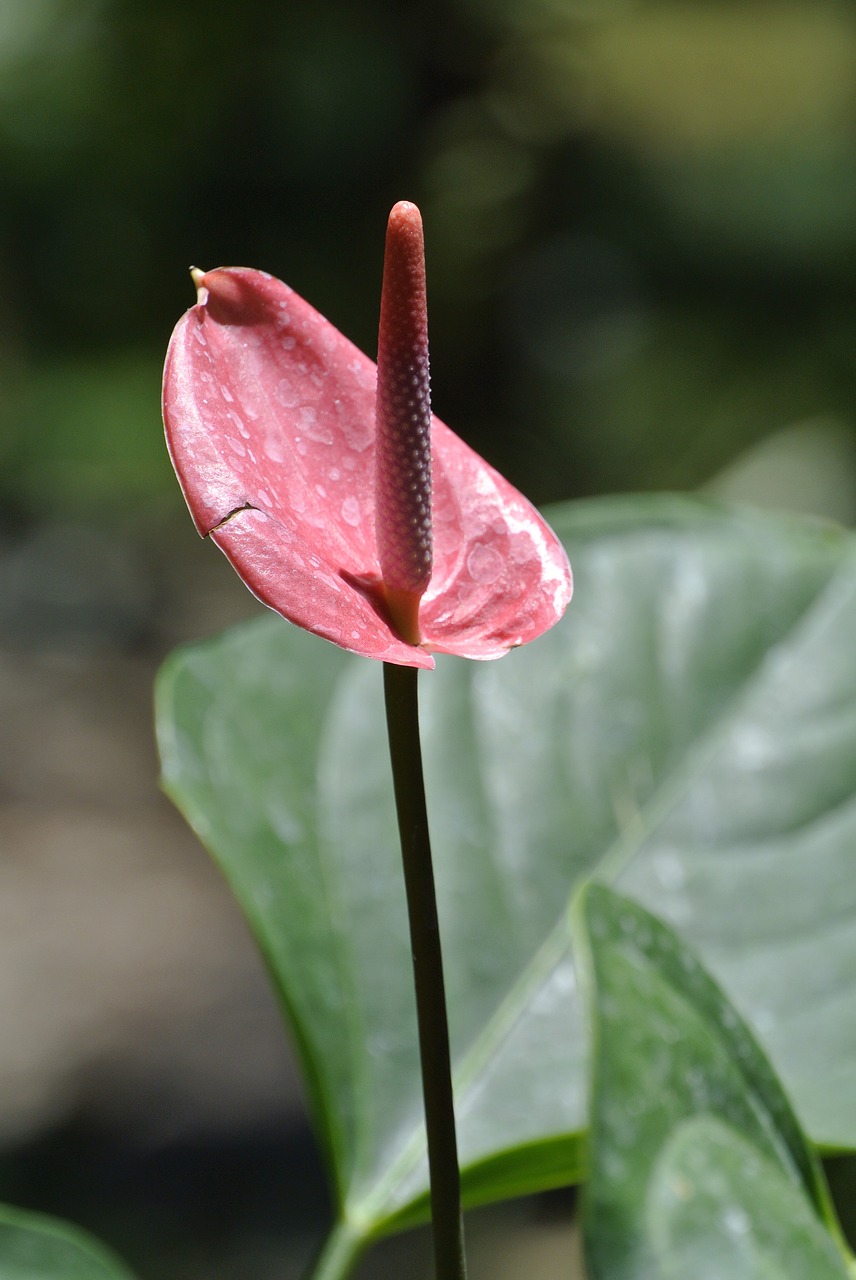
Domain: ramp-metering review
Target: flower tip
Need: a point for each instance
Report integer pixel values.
(198, 278)
(405, 216)
(231, 294)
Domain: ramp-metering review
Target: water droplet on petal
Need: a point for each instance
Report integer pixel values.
(484, 564)
(274, 448)
(239, 423)
(287, 394)
(351, 511)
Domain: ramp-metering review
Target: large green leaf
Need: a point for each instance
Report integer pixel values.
(33, 1247)
(689, 729)
(697, 1165)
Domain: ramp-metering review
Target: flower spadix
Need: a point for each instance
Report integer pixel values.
(341, 502)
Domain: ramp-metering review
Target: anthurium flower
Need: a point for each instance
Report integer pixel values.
(341, 502)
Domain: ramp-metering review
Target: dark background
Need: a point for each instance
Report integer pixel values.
(641, 233)
(641, 220)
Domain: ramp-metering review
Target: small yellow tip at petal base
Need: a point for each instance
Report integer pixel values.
(403, 609)
(197, 276)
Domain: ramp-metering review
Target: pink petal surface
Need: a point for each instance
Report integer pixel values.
(269, 415)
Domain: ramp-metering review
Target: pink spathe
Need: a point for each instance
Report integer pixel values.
(270, 423)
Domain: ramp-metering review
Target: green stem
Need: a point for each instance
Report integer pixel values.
(402, 718)
(341, 1250)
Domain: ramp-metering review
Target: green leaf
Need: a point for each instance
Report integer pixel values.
(689, 730)
(696, 1158)
(718, 1207)
(33, 1247)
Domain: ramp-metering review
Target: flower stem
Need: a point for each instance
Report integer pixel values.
(402, 718)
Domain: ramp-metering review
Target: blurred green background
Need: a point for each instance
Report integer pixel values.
(641, 230)
(641, 221)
